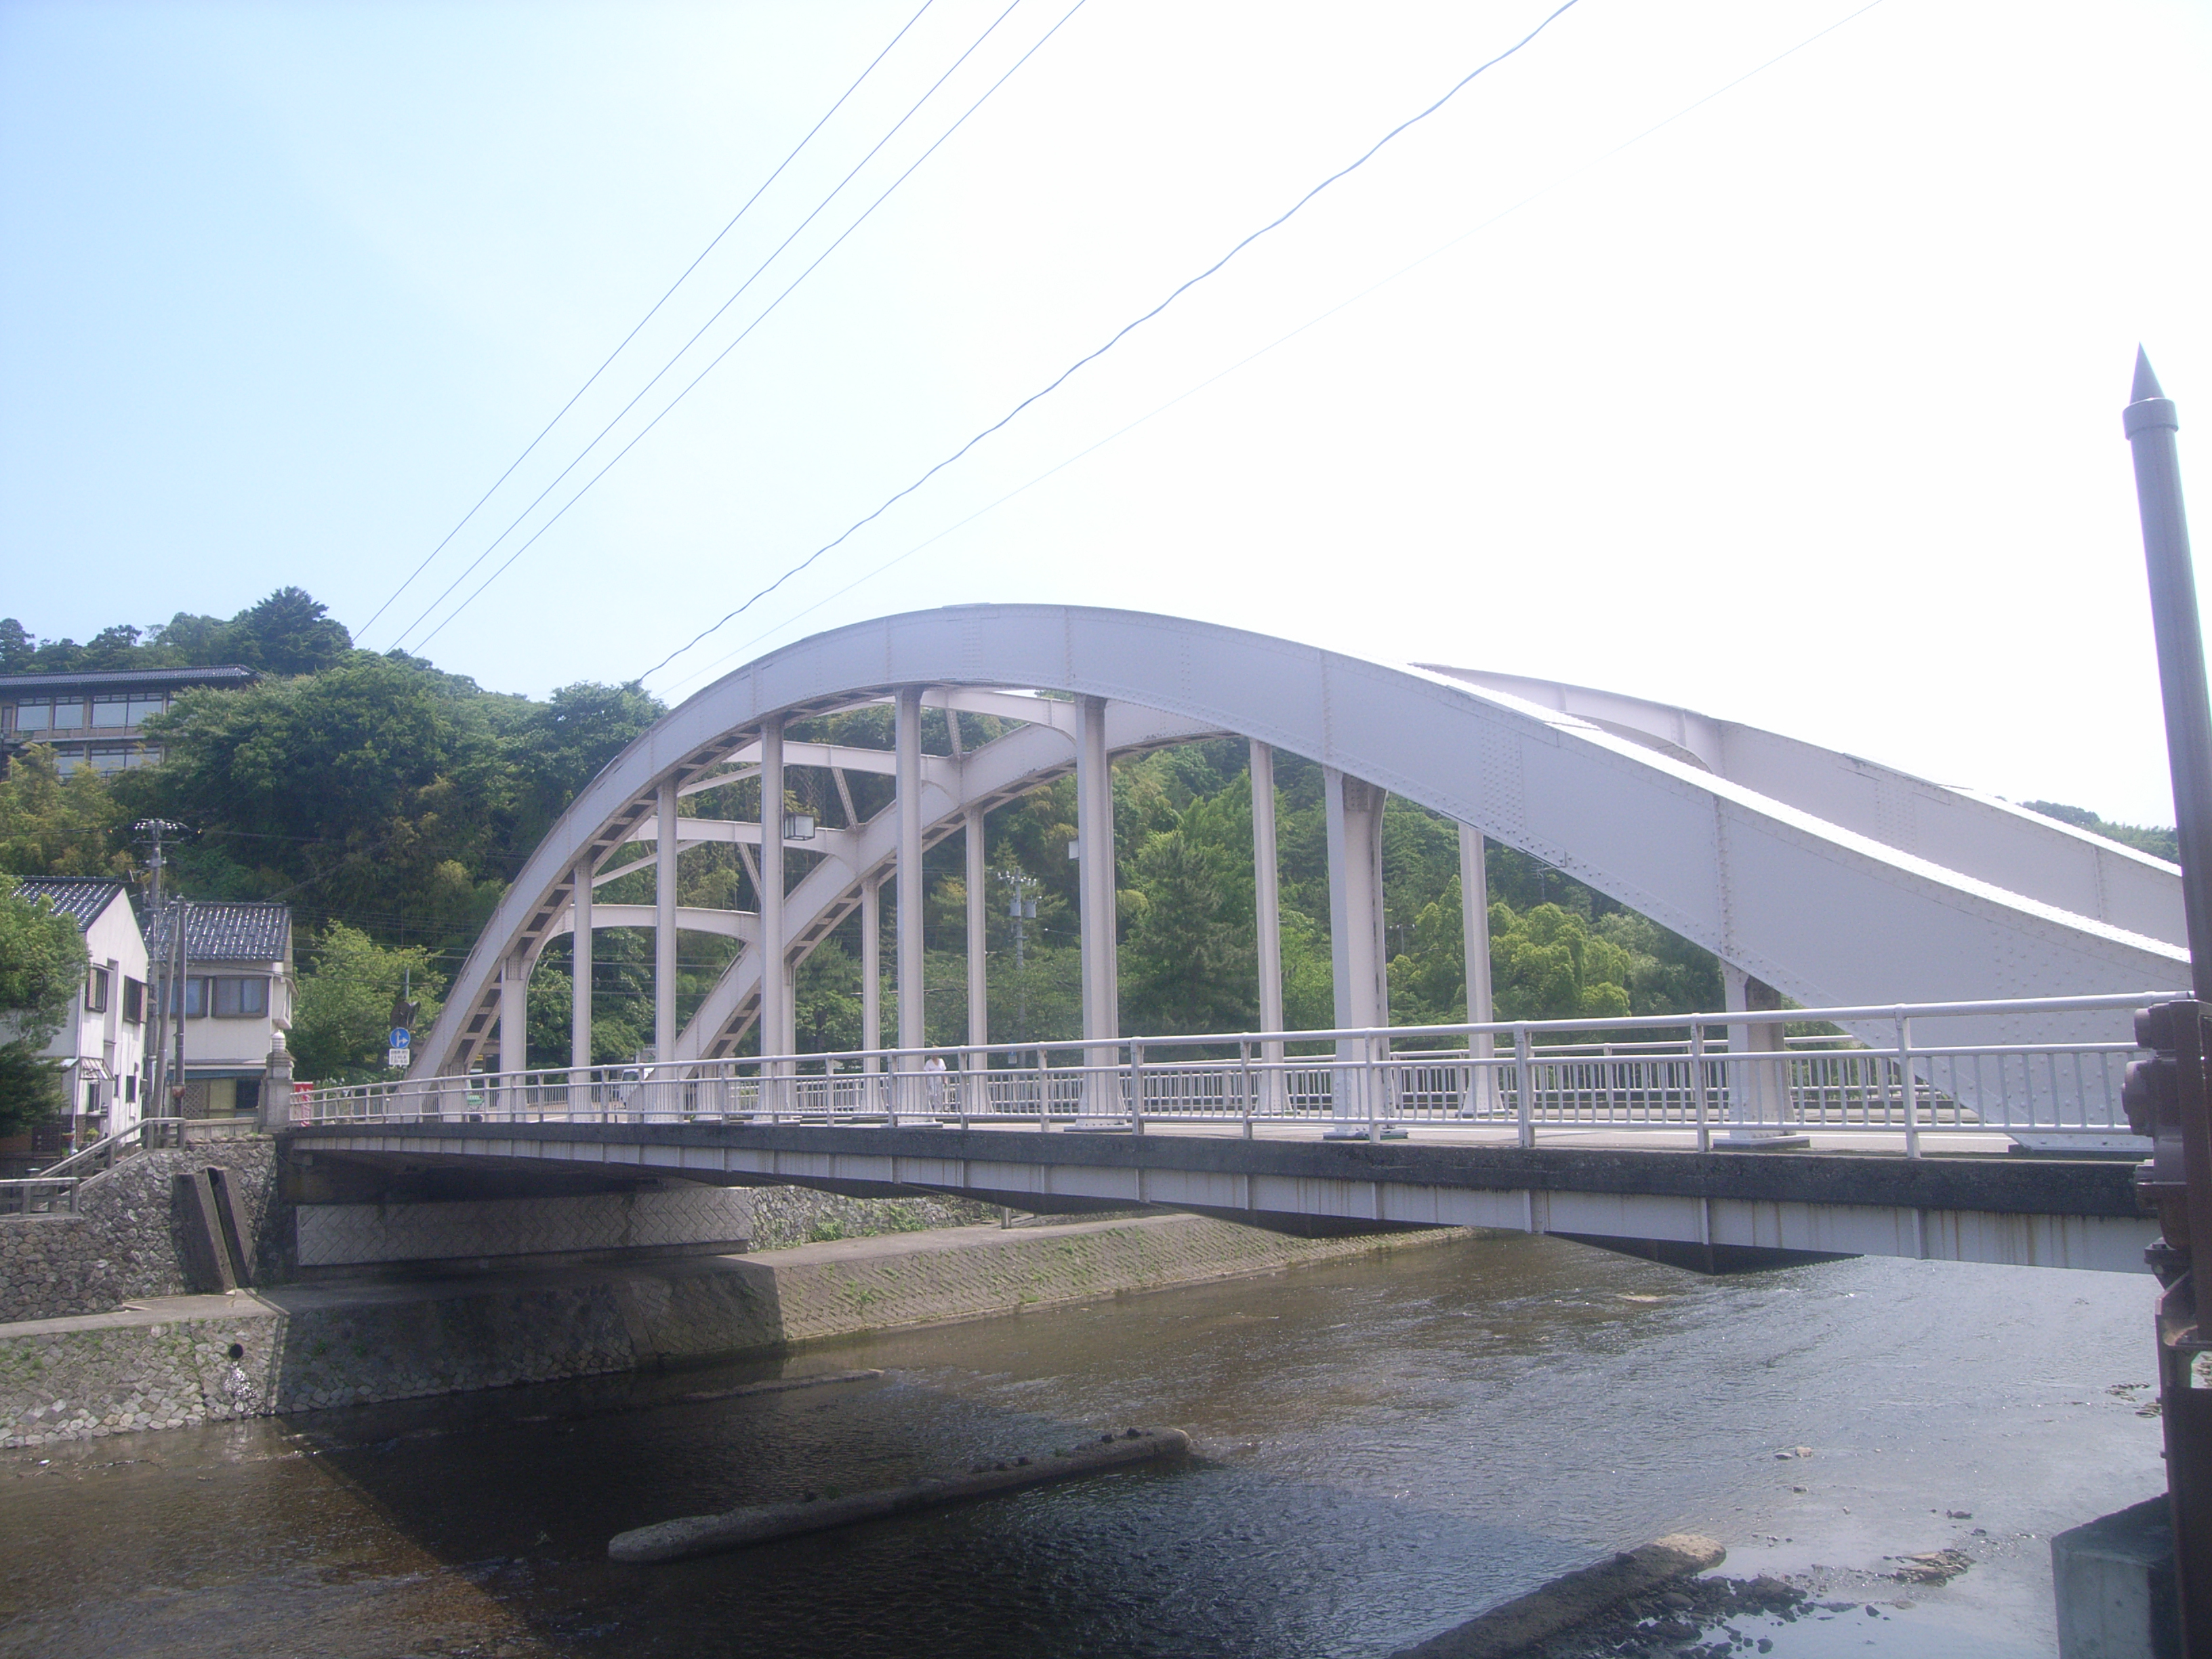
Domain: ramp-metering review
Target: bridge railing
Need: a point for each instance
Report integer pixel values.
(2047, 1069)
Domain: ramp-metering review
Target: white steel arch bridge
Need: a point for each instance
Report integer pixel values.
(1834, 880)
(1984, 958)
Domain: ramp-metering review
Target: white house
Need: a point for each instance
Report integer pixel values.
(237, 992)
(103, 1044)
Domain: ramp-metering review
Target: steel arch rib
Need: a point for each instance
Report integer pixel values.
(1975, 834)
(1827, 915)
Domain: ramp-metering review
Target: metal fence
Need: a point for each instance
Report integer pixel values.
(2046, 1068)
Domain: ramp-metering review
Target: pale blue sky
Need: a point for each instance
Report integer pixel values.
(1803, 410)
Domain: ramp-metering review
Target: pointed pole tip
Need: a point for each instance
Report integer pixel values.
(2146, 382)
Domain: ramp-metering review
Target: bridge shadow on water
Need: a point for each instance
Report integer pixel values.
(518, 1492)
(1214, 1556)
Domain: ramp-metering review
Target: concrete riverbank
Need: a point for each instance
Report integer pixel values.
(174, 1361)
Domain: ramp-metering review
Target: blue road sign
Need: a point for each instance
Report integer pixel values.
(400, 1037)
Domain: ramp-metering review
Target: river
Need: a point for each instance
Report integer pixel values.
(1385, 1446)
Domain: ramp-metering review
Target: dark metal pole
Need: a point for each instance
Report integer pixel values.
(2151, 424)
(2185, 1216)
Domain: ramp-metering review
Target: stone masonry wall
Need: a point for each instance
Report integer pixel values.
(785, 1216)
(132, 1372)
(303, 1348)
(120, 1244)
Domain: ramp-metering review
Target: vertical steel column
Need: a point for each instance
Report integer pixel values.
(1910, 1089)
(1355, 931)
(871, 971)
(1735, 997)
(1697, 1082)
(664, 924)
(978, 960)
(1474, 931)
(775, 1016)
(579, 973)
(1524, 1087)
(513, 1029)
(907, 765)
(1095, 877)
(1268, 913)
(2185, 1333)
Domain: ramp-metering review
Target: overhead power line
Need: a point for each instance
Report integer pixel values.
(1346, 304)
(1119, 335)
(716, 362)
(681, 351)
(594, 380)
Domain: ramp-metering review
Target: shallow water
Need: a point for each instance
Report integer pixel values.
(1386, 1446)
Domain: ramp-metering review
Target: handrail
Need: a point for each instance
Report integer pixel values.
(652, 1071)
(2049, 1085)
(98, 1156)
(105, 1153)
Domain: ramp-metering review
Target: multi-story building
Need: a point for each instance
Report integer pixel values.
(237, 995)
(103, 1044)
(96, 719)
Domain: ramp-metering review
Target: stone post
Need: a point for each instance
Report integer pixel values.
(275, 1112)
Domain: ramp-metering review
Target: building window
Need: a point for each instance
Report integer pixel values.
(69, 715)
(144, 705)
(95, 991)
(195, 998)
(134, 999)
(111, 708)
(130, 1087)
(240, 998)
(33, 716)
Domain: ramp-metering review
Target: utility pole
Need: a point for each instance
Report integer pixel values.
(168, 986)
(2169, 1098)
(1021, 907)
(178, 963)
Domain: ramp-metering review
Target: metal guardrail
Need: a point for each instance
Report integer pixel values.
(1530, 1076)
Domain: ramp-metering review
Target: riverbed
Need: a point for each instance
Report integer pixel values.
(1385, 1446)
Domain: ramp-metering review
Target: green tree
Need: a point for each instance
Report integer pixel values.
(370, 791)
(622, 1000)
(42, 968)
(559, 745)
(290, 632)
(1546, 964)
(1428, 979)
(826, 1000)
(51, 825)
(1187, 965)
(343, 1019)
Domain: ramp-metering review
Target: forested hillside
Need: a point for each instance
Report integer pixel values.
(390, 802)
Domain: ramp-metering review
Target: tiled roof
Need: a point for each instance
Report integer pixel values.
(124, 678)
(227, 932)
(79, 899)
